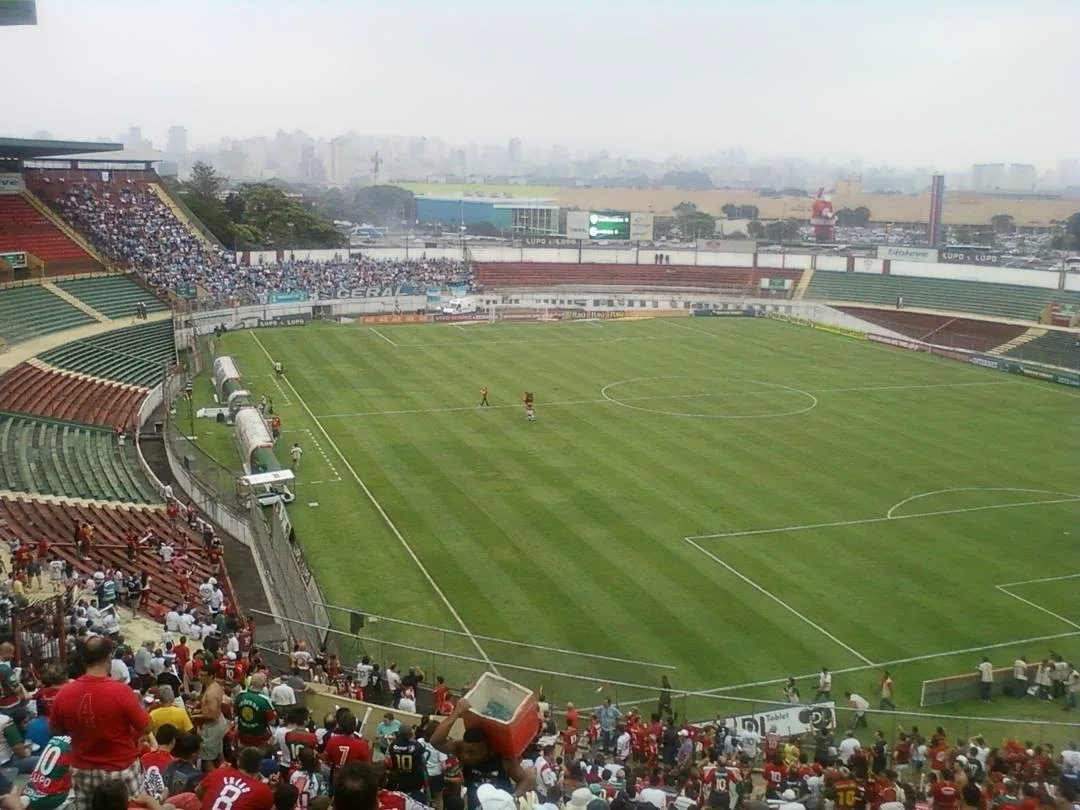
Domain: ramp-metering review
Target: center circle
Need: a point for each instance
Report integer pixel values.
(657, 391)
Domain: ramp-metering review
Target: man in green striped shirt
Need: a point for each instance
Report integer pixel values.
(254, 713)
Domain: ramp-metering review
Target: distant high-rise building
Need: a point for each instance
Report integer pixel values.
(987, 176)
(937, 207)
(1022, 177)
(133, 139)
(42, 135)
(1069, 173)
(177, 142)
(514, 151)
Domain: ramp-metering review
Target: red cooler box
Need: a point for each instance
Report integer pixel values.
(509, 737)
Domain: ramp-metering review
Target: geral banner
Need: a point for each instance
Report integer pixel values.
(11, 183)
(789, 721)
(411, 317)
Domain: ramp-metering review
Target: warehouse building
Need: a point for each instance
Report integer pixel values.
(510, 216)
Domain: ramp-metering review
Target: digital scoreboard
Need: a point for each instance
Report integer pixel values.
(610, 226)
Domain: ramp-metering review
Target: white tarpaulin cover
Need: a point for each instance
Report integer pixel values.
(252, 431)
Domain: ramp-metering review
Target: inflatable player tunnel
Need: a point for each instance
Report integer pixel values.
(227, 385)
(256, 442)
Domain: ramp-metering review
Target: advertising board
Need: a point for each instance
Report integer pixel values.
(577, 224)
(411, 317)
(11, 183)
(900, 343)
(788, 721)
(290, 297)
(17, 260)
(907, 254)
(641, 227)
(964, 255)
(610, 226)
(300, 319)
(728, 245)
(442, 317)
(749, 312)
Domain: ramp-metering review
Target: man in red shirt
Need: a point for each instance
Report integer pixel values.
(229, 788)
(569, 743)
(106, 723)
(344, 747)
(944, 794)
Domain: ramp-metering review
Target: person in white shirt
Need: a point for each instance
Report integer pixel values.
(119, 672)
(1020, 677)
(232, 644)
(166, 552)
(56, 572)
(110, 623)
(217, 600)
(858, 705)
(1070, 759)
(172, 621)
(749, 742)
(547, 777)
(297, 453)
(622, 745)
(824, 685)
(407, 702)
(185, 625)
(848, 746)
(283, 697)
(206, 589)
(393, 678)
(986, 679)
(363, 672)
(654, 794)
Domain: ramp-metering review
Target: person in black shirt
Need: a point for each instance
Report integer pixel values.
(407, 766)
(480, 763)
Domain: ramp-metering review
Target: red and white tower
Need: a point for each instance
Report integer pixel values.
(823, 218)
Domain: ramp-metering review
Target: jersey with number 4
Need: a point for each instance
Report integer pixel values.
(50, 783)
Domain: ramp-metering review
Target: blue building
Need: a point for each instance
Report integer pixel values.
(517, 216)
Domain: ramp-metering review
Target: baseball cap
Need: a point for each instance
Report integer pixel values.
(788, 795)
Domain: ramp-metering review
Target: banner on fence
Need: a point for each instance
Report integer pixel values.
(900, 343)
(291, 297)
(789, 721)
(298, 319)
(409, 318)
(749, 312)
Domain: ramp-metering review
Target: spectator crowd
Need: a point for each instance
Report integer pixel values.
(131, 225)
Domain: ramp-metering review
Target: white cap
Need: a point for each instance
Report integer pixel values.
(231, 656)
(683, 732)
(788, 795)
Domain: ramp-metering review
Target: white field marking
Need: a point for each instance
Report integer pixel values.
(897, 662)
(382, 513)
(672, 322)
(284, 396)
(457, 344)
(1037, 606)
(652, 397)
(459, 326)
(321, 451)
(1035, 581)
(780, 602)
(896, 506)
(506, 641)
(626, 404)
(866, 521)
(384, 337)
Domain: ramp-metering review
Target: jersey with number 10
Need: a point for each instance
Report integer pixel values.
(50, 783)
(408, 766)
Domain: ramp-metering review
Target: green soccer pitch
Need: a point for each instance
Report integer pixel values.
(726, 502)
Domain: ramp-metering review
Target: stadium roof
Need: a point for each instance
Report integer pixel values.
(34, 149)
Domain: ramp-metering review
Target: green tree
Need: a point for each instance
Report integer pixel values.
(696, 180)
(685, 208)
(782, 230)
(1003, 223)
(755, 229)
(205, 182)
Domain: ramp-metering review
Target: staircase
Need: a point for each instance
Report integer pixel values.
(66, 229)
(803, 285)
(1031, 334)
(76, 302)
(185, 216)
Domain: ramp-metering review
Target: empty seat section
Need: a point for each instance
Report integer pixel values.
(1054, 348)
(56, 395)
(1002, 300)
(77, 461)
(23, 228)
(114, 296)
(34, 520)
(943, 330)
(32, 311)
(137, 355)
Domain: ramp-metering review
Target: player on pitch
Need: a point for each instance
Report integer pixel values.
(530, 411)
(483, 396)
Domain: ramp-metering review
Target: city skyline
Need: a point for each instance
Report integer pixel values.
(975, 83)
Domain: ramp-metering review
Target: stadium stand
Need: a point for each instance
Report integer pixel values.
(137, 355)
(943, 330)
(36, 389)
(23, 228)
(1003, 300)
(1055, 348)
(62, 458)
(32, 311)
(33, 519)
(114, 296)
(731, 280)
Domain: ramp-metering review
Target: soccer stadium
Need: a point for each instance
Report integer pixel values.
(630, 518)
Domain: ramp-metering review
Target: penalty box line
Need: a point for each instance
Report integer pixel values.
(1005, 589)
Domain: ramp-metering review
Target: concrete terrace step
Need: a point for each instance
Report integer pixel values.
(64, 499)
(41, 364)
(1031, 334)
(76, 302)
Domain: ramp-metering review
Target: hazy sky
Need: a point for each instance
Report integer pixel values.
(940, 84)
